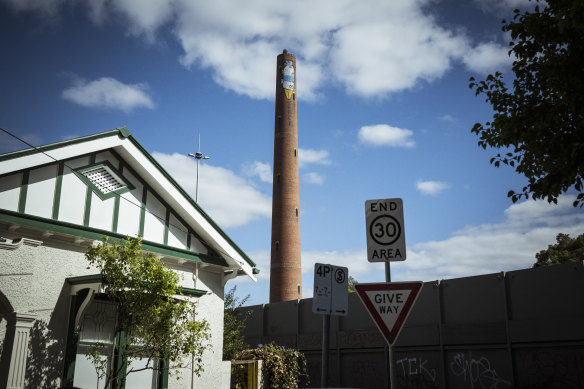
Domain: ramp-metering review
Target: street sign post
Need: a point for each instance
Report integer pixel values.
(389, 304)
(385, 230)
(386, 242)
(331, 295)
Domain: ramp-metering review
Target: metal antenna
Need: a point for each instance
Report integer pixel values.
(198, 155)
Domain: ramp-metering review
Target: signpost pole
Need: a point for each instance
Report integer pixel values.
(330, 297)
(389, 304)
(392, 382)
(326, 324)
(384, 219)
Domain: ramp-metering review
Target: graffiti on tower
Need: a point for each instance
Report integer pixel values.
(288, 79)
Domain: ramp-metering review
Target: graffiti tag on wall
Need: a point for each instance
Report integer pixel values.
(477, 372)
(557, 368)
(415, 372)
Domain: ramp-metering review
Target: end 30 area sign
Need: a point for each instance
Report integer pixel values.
(385, 230)
(389, 304)
(331, 294)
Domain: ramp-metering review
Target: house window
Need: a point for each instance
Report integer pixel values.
(93, 318)
(98, 324)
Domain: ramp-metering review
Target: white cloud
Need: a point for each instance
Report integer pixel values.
(431, 187)
(487, 58)
(260, 169)
(47, 7)
(228, 198)
(262, 261)
(317, 157)
(108, 92)
(528, 227)
(370, 49)
(385, 135)
(314, 178)
(146, 16)
(392, 46)
(512, 244)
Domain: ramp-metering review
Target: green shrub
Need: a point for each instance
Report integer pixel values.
(282, 368)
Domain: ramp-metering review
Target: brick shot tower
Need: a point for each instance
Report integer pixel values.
(285, 266)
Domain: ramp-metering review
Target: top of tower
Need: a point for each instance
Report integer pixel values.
(285, 52)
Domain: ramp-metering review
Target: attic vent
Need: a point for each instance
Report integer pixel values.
(103, 179)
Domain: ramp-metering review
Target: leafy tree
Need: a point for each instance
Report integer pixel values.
(565, 250)
(158, 327)
(538, 125)
(351, 284)
(233, 325)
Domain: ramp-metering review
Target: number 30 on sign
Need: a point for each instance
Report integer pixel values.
(385, 230)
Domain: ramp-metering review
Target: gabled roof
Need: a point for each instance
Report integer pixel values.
(141, 196)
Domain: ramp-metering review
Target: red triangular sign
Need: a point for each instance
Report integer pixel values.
(389, 304)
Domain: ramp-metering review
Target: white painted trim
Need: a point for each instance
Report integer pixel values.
(17, 243)
(148, 172)
(161, 185)
(61, 153)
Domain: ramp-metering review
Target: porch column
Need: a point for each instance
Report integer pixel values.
(17, 335)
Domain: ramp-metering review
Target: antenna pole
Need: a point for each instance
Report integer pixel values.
(197, 158)
(198, 155)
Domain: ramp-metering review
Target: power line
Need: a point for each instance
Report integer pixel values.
(162, 219)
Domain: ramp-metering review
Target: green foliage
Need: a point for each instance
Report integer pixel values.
(565, 250)
(155, 325)
(283, 367)
(351, 284)
(538, 126)
(233, 325)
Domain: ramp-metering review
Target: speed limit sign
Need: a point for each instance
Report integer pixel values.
(386, 239)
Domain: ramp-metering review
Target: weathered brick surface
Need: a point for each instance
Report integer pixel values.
(285, 271)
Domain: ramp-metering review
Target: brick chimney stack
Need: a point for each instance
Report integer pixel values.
(285, 267)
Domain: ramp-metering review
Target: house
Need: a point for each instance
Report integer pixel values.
(55, 202)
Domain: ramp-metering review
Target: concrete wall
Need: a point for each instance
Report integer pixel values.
(32, 279)
(521, 329)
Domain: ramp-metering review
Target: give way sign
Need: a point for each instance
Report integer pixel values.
(389, 304)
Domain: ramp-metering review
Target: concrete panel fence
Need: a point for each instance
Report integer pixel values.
(520, 329)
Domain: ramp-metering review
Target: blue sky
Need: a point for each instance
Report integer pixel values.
(384, 110)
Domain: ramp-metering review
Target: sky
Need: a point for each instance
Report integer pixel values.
(384, 111)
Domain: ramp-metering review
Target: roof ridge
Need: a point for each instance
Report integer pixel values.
(121, 131)
(124, 132)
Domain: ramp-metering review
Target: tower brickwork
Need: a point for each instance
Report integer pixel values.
(285, 264)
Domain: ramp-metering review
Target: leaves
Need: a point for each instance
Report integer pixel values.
(351, 285)
(283, 367)
(156, 324)
(233, 325)
(565, 250)
(542, 117)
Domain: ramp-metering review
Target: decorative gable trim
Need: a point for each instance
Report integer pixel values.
(155, 181)
(17, 243)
